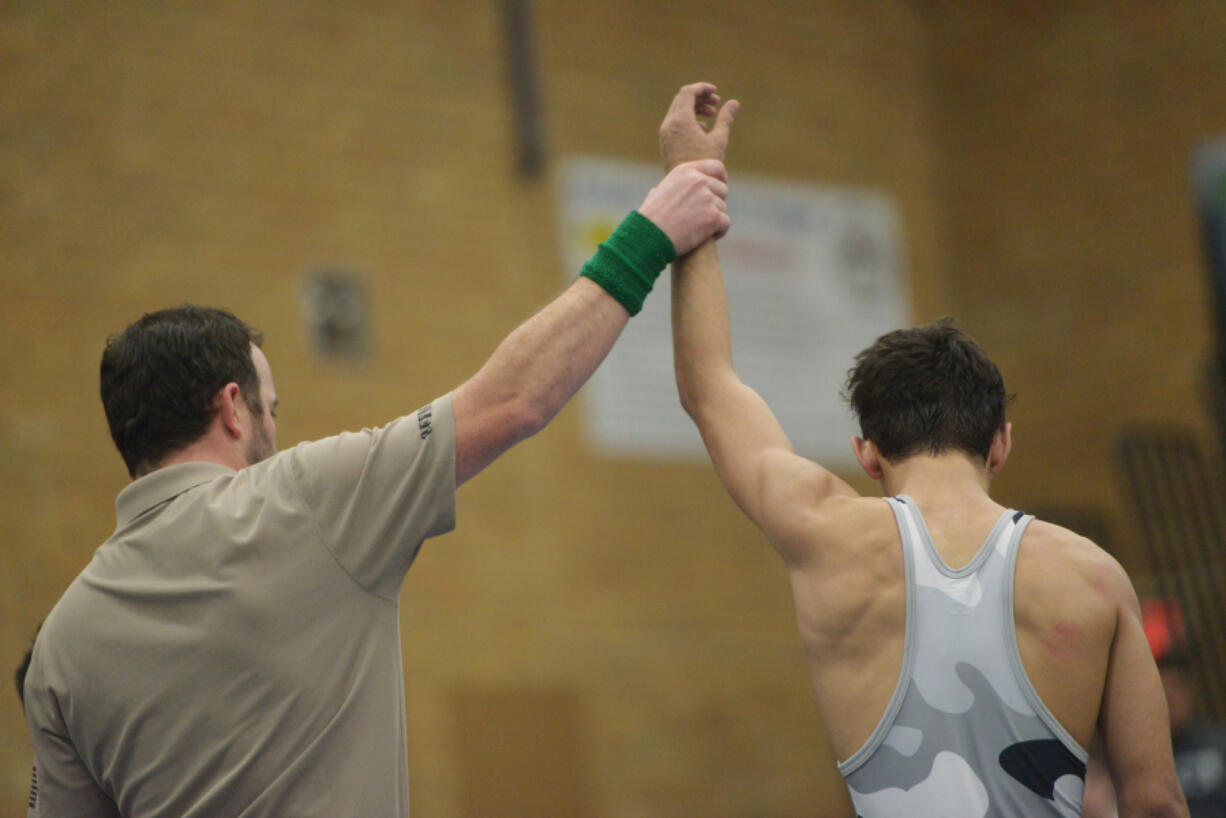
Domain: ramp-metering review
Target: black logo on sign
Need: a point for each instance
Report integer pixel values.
(423, 420)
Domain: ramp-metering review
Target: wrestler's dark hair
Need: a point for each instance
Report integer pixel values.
(160, 376)
(928, 389)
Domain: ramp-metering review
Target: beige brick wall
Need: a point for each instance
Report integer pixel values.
(1075, 256)
(152, 154)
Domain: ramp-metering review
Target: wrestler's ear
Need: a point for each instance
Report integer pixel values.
(1002, 444)
(870, 459)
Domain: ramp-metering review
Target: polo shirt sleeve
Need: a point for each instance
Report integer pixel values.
(61, 785)
(375, 495)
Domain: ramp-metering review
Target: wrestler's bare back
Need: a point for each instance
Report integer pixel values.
(850, 607)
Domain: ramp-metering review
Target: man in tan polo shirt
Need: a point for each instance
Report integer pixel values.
(234, 647)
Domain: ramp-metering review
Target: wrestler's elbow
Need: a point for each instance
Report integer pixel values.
(1153, 797)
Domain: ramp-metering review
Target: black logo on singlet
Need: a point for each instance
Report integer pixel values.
(423, 420)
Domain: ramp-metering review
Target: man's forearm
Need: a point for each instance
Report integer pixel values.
(702, 342)
(546, 359)
(543, 363)
(533, 373)
(552, 354)
(741, 434)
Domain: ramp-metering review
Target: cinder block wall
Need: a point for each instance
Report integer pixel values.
(1074, 246)
(597, 638)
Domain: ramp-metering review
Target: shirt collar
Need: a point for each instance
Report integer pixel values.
(163, 484)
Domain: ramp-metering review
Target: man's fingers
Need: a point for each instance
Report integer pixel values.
(681, 134)
(688, 97)
(710, 167)
(723, 122)
(717, 187)
(695, 89)
(706, 104)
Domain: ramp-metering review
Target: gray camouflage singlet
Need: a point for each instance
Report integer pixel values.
(965, 734)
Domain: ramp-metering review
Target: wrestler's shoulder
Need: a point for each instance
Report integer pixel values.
(1078, 557)
(854, 518)
(1063, 543)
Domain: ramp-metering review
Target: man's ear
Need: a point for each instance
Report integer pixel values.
(870, 459)
(228, 401)
(1002, 444)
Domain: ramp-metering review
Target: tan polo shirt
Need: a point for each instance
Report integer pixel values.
(234, 647)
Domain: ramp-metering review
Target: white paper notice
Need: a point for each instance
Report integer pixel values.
(813, 274)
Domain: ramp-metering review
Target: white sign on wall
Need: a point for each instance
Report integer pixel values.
(813, 274)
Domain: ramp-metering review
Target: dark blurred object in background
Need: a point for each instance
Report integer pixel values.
(1174, 492)
(1199, 743)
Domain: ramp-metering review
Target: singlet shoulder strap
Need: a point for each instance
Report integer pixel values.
(926, 546)
(1015, 656)
(906, 532)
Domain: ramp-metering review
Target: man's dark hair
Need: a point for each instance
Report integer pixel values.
(24, 667)
(928, 389)
(160, 376)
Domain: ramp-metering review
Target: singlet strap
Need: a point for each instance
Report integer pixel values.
(1015, 655)
(981, 556)
(886, 722)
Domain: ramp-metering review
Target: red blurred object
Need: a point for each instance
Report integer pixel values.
(1163, 623)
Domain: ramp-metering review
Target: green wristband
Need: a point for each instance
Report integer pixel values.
(627, 264)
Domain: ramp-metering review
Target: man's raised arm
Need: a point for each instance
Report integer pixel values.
(749, 449)
(542, 363)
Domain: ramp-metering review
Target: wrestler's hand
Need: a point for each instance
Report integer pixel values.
(683, 137)
(688, 204)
